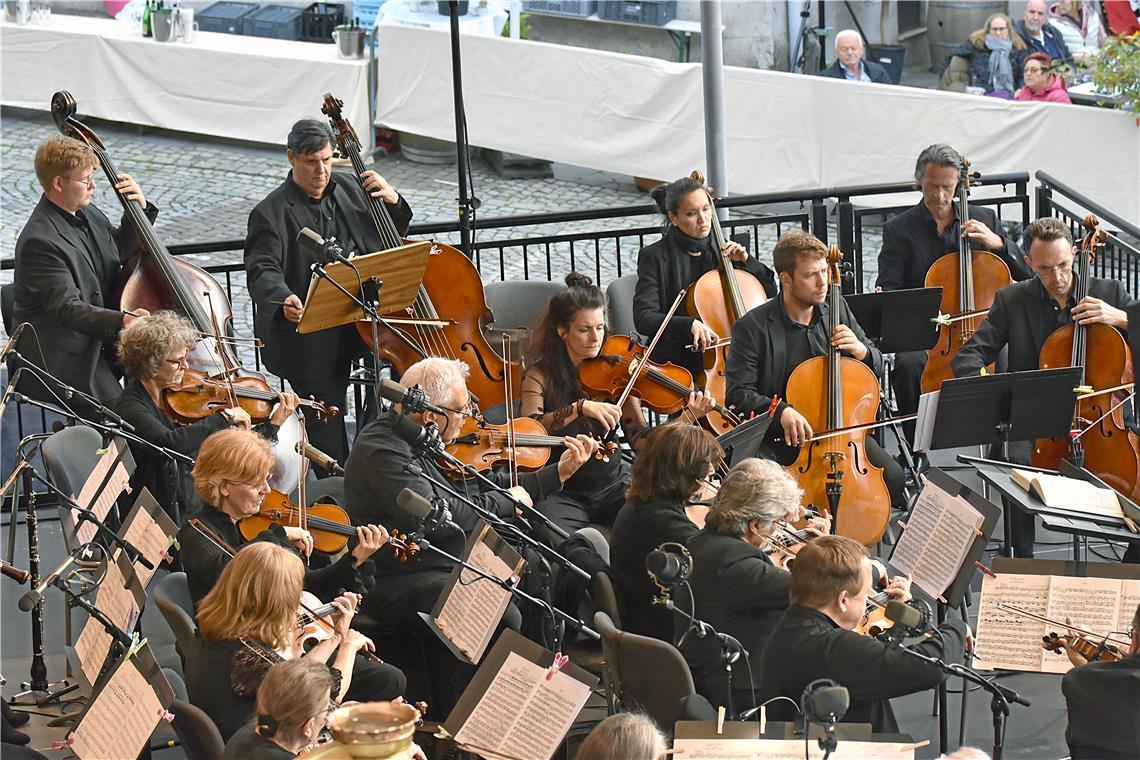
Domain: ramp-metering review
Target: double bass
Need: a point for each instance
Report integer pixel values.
(719, 298)
(833, 392)
(450, 295)
(153, 279)
(969, 280)
(1098, 440)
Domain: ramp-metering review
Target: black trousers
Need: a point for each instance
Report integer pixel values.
(906, 381)
(571, 510)
(374, 681)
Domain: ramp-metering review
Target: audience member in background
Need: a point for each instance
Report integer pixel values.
(1041, 84)
(1039, 35)
(849, 63)
(625, 736)
(292, 703)
(1122, 17)
(1101, 696)
(994, 55)
(1079, 25)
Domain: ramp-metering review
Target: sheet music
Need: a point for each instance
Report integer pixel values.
(1091, 603)
(1129, 598)
(121, 719)
(106, 498)
(938, 535)
(924, 425)
(149, 535)
(1005, 639)
(115, 601)
(522, 714)
(475, 605)
(786, 749)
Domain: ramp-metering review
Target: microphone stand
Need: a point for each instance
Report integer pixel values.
(731, 649)
(999, 704)
(515, 591)
(513, 530)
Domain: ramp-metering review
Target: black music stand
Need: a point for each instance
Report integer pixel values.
(745, 440)
(984, 410)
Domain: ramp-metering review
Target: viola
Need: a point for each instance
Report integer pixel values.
(719, 298)
(1092, 649)
(969, 280)
(483, 445)
(832, 392)
(451, 295)
(200, 396)
(1099, 440)
(664, 388)
(153, 279)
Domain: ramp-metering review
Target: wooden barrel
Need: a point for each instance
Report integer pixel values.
(950, 22)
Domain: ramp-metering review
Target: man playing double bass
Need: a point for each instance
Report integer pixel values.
(770, 341)
(919, 236)
(278, 269)
(1024, 314)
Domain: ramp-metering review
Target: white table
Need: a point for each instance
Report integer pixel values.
(244, 88)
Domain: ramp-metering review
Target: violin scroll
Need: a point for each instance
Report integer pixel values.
(404, 545)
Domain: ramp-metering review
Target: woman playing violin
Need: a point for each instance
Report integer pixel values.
(153, 353)
(248, 622)
(684, 253)
(230, 475)
(571, 330)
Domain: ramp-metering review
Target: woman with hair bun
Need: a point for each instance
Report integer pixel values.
(685, 251)
(571, 330)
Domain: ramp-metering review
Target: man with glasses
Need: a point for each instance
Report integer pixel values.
(1024, 314)
(68, 260)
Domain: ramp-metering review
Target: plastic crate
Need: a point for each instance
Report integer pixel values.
(319, 19)
(281, 22)
(648, 12)
(225, 16)
(577, 8)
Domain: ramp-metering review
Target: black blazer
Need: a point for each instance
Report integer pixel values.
(662, 270)
(807, 645)
(277, 266)
(876, 72)
(738, 591)
(758, 366)
(1014, 320)
(1102, 698)
(67, 300)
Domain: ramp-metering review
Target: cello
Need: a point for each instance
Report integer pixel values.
(1098, 439)
(719, 298)
(969, 280)
(451, 296)
(835, 391)
(153, 279)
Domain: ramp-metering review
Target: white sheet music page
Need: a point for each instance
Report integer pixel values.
(1129, 599)
(150, 536)
(523, 714)
(1004, 638)
(106, 498)
(938, 535)
(1092, 603)
(475, 605)
(116, 602)
(122, 718)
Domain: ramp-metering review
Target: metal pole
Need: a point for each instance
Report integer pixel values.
(460, 133)
(712, 75)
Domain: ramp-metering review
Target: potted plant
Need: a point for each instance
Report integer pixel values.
(1118, 71)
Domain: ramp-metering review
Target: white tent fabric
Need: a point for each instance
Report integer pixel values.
(643, 116)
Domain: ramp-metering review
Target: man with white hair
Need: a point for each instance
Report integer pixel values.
(1040, 35)
(849, 63)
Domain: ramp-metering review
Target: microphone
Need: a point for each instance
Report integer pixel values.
(11, 344)
(908, 617)
(320, 458)
(36, 595)
(430, 513)
(10, 391)
(423, 440)
(326, 251)
(825, 701)
(410, 399)
(669, 565)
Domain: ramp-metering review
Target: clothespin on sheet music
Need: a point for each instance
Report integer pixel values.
(985, 569)
(913, 746)
(166, 715)
(86, 553)
(136, 644)
(63, 744)
(1131, 524)
(174, 542)
(902, 524)
(720, 720)
(560, 661)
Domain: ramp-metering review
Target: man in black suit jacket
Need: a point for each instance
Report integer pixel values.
(278, 269)
(775, 337)
(1102, 699)
(68, 260)
(1024, 314)
(849, 63)
(916, 238)
(816, 639)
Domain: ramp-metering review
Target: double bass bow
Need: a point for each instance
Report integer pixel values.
(450, 310)
(833, 392)
(153, 279)
(1098, 439)
(719, 298)
(969, 280)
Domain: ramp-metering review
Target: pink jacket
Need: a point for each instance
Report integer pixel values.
(1054, 92)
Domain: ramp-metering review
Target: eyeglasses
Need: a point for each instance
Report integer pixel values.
(179, 362)
(89, 181)
(1033, 69)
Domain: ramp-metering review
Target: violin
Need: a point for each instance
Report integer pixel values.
(835, 391)
(1092, 649)
(719, 298)
(664, 388)
(153, 279)
(969, 280)
(483, 445)
(451, 296)
(200, 396)
(1099, 440)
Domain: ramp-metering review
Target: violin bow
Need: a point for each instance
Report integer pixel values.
(635, 373)
(512, 458)
(228, 371)
(211, 536)
(1106, 638)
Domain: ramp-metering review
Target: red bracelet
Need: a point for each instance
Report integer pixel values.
(581, 403)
